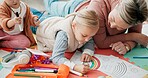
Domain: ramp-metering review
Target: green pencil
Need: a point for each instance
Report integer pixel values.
(26, 75)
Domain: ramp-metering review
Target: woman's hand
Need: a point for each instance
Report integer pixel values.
(86, 57)
(119, 47)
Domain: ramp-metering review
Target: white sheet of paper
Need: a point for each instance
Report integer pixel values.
(37, 52)
(5, 71)
(3, 53)
(114, 66)
(118, 68)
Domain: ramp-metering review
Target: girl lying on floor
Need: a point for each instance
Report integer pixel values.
(58, 34)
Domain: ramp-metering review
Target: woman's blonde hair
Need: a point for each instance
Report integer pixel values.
(133, 11)
(86, 17)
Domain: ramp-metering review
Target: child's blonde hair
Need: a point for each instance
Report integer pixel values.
(86, 17)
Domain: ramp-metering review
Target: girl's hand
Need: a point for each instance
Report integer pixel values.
(81, 68)
(86, 57)
(119, 47)
(17, 20)
(36, 21)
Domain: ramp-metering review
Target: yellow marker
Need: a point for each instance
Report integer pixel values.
(108, 77)
(146, 76)
(77, 73)
(0, 59)
(101, 77)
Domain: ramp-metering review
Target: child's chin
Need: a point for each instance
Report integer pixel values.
(14, 6)
(81, 42)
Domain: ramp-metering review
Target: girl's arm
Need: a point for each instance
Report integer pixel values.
(60, 46)
(88, 51)
(88, 47)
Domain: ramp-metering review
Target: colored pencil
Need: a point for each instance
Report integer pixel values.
(140, 57)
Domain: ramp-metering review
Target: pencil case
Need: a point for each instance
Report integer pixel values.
(19, 71)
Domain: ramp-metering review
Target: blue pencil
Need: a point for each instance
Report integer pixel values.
(41, 15)
(140, 57)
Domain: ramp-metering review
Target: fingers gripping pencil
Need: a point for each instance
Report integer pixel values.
(41, 15)
(17, 15)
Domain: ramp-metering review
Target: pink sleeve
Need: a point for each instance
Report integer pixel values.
(102, 38)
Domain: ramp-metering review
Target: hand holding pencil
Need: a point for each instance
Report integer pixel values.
(82, 68)
(18, 20)
(36, 19)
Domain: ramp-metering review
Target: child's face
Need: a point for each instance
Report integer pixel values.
(83, 33)
(13, 3)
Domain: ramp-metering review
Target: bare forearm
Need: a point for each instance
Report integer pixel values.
(137, 37)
